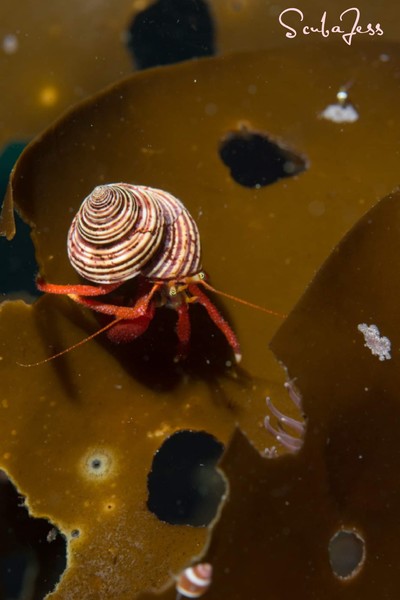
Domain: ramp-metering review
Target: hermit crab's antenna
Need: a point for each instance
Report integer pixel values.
(70, 348)
(245, 302)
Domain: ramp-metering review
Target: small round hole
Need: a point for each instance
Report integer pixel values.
(75, 533)
(98, 464)
(346, 553)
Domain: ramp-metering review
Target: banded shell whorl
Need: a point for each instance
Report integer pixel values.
(123, 230)
(194, 581)
(180, 253)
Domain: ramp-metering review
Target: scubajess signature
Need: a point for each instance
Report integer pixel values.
(348, 24)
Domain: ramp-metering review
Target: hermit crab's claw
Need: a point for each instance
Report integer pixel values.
(127, 330)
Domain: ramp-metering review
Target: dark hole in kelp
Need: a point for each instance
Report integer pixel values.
(171, 31)
(18, 264)
(254, 160)
(184, 486)
(346, 553)
(32, 551)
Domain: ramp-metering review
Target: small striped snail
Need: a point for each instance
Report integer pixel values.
(123, 231)
(194, 581)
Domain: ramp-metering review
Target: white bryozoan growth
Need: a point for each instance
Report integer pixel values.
(343, 111)
(339, 113)
(379, 345)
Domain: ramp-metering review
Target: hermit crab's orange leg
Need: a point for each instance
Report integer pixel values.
(79, 290)
(217, 318)
(182, 330)
(143, 312)
(114, 310)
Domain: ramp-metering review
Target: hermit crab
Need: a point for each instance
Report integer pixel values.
(123, 231)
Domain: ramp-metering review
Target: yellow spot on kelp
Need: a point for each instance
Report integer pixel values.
(162, 431)
(4, 403)
(98, 464)
(7, 455)
(48, 96)
(139, 5)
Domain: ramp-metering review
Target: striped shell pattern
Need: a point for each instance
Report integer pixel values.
(194, 581)
(123, 230)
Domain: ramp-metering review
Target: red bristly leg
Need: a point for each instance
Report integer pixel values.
(142, 313)
(182, 330)
(217, 318)
(80, 290)
(125, 331)
(128, 313)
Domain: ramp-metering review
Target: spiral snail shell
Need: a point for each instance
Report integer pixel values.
(123, 230)
(194, 581)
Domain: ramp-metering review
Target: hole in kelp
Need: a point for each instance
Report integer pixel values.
(254, 160)
(32, 551)
(184, 486)
(18, 264)
(171, 31)
(346, 553)
(97, 464)
(75, 533)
